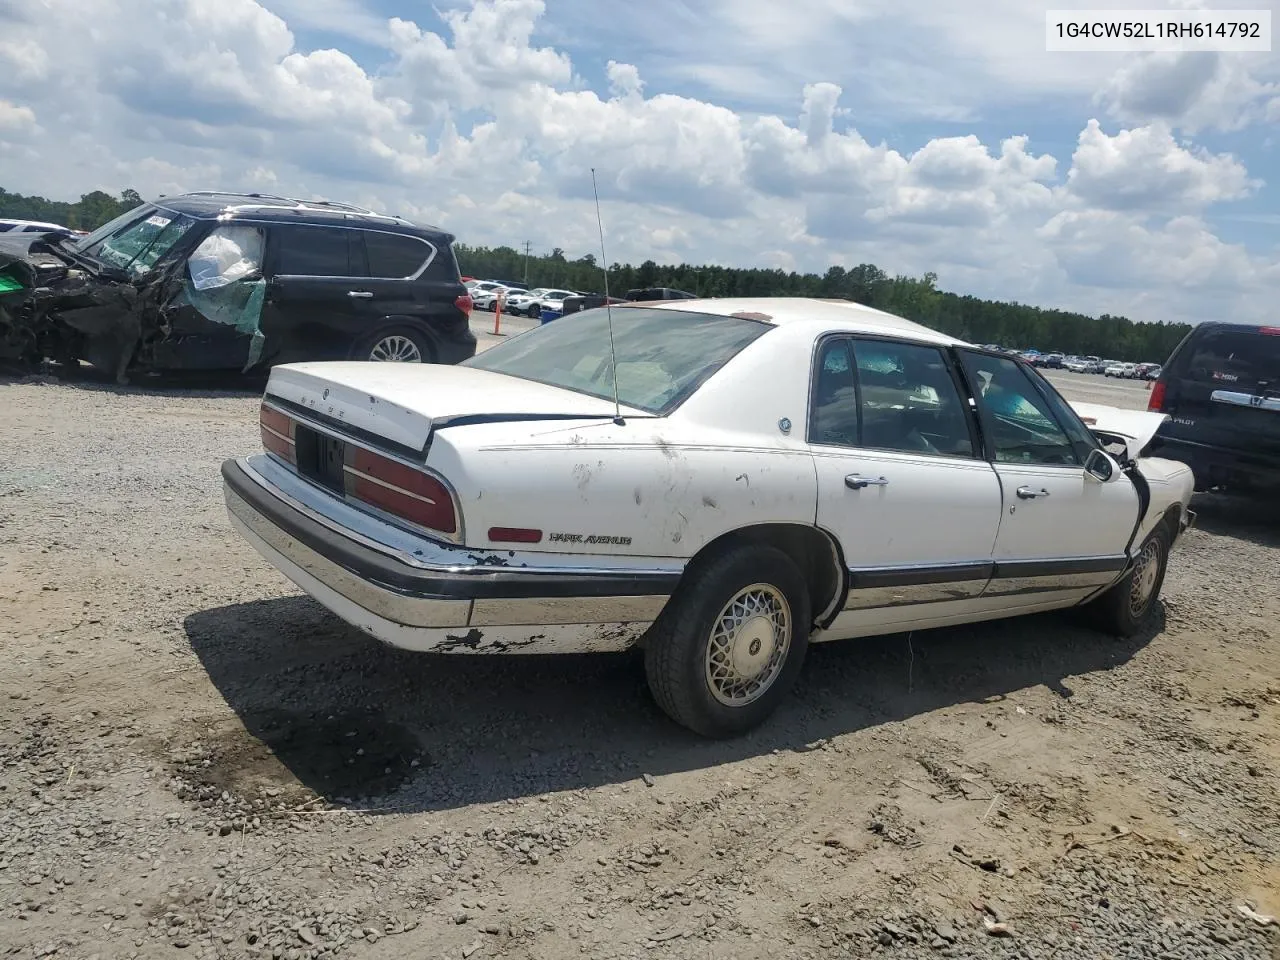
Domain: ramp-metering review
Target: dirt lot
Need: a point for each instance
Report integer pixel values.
(196, 760)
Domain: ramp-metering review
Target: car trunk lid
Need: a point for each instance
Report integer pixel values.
(400, 404)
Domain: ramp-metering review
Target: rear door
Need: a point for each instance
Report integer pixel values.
(902, 484)
(1222, 389)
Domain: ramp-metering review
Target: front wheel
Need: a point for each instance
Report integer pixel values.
(1126, 608)
(729, 645)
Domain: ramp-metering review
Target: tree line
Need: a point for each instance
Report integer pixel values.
(916, 298)
(91, 211)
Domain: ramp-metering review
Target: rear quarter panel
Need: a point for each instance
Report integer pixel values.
(646, 488)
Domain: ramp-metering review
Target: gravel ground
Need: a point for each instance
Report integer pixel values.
(196, 760)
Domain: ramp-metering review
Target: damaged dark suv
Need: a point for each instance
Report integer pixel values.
(217, 281)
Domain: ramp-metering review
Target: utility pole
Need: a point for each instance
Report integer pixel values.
(527, 245)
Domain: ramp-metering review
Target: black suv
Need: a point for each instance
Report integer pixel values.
(230, 281)
(1221, 390)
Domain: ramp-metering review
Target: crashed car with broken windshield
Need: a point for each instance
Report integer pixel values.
(216, 281)
(774, 473)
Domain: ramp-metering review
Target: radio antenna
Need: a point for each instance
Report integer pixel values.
(608, 307)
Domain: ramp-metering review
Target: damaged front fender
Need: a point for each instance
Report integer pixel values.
(51, 308)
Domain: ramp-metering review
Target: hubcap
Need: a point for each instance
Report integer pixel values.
(1145, 571)
(397, 349)
(749, 644)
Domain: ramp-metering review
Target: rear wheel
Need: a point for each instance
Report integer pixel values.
(399, 345)
(1126, 608)
(729, 646)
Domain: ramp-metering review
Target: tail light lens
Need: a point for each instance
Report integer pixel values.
(278, 434)
(464, 303)
(1155, 403)
(400, 490)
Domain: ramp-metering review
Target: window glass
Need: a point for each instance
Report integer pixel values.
(1082, 438)
(835, 397)
(1234, 358)
(1022, 428)
(392, 256)
(88, 243)
(909, 400)
(139, 246)
(303, 251)
(663, 356)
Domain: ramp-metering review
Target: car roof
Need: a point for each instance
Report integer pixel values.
(840, 314)
(218, 205)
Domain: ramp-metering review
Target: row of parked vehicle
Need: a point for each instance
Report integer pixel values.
(1090, 364)
(547, 303)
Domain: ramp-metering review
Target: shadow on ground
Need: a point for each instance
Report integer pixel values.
(361, 723)
(194, 383)
(1252, 518)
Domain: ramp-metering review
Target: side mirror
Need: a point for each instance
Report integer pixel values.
(1100, 466)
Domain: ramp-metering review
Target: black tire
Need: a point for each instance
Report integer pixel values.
(1118, 611)
(422, 343)
(676, 656)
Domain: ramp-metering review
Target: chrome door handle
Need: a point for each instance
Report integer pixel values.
(1026, 493)
(360, 294)
(855, 482)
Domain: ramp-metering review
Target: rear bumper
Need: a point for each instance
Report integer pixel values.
(441, 597)
(1215, 466)
(456, 348)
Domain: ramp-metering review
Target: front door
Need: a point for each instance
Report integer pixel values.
(902, 484)
(1063, 532)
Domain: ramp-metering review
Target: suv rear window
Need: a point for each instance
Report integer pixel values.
(394, 256)
(1241, 358)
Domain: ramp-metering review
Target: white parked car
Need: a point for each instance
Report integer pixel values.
(777, 472)
(1120, 370)
(530, 303)
(485, 291)
(32, 226)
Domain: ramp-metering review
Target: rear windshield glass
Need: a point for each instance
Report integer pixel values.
(1241, 358)
(663, 355)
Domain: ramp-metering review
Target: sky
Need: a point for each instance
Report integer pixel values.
(918, 135)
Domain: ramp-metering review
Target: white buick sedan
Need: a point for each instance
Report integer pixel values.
(775, 473)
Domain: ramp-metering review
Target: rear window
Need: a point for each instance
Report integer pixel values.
(393, 256)
(663, 356)
(1234, 358)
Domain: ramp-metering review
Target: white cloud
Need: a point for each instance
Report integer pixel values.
(1146, 170)
(1190, 91)
(14, 115)
(489, 129)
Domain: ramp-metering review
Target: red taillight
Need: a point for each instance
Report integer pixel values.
(1270, 331)
(277, 434)
(515, 535)
(464, 304)
(1155, 403)
(400, 490)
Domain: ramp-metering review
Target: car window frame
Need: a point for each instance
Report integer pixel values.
(981, 413)
(368, 260)
(356, 250)
(851, 338)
